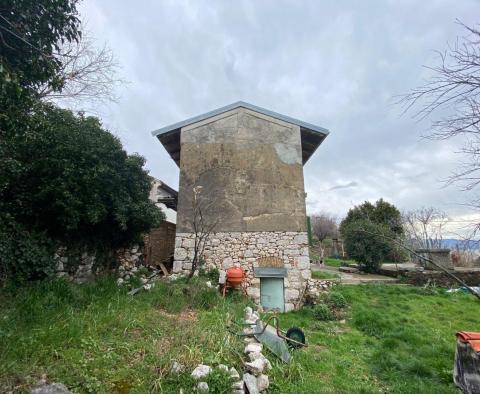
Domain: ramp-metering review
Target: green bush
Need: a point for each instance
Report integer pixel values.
(336, 300)
(68, 181)
(368, 243)
(322, 312)
(24, 255)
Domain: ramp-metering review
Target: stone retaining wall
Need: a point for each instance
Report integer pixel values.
(242, 249)
(82, 267)
(420, 278)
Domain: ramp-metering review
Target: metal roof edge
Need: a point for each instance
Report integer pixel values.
(238, 104)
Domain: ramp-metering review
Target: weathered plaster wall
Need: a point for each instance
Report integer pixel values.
(250, 167)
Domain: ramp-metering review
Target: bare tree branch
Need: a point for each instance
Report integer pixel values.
(454, 87)
(89, 74)
(424, 227)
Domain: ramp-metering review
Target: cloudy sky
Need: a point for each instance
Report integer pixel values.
(337, 64)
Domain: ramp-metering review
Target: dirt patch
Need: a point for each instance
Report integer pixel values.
(162, 346)
(185, 315)
(188, 315)
(134, 333)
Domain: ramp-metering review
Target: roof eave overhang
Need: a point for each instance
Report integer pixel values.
(311, 136)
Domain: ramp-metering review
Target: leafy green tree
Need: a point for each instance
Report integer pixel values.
(365, 243)
(66, 177)
(382, 212)
(32, 32)
(362, 231)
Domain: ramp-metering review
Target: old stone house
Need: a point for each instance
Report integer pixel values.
(246, 164)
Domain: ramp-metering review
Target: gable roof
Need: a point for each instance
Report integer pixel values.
(311, 135)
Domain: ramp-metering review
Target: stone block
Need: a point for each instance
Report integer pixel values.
(227, 263)
(180, 254)
(188, 243)
(253, 292)
(307, 274)
(291, 294)
(177, 267)
(289, 307)
(302, 262)
(301, 238)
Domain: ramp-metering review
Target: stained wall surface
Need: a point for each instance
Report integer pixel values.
(250, 168)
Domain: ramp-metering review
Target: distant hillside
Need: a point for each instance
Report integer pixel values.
(451, 243)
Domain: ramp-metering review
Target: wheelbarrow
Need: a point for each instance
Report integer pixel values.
(276, 340)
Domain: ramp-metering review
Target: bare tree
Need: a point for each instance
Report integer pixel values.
(424, 227)
(454, 87)
(324, 226)
(202, 227)
(88, 74)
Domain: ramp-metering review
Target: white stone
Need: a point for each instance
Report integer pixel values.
(177, 267)
(248, 312)
(180, 254)
(259, 356)
(289, 307)
(223, 367)
(120, 281)
(262, 382)
(227, 263)
(147, 286)
(208, 284)
(253, 347)
(188, 243)
(306, 274)
(202, 386)
(233, 373)
(251, 383)
(302, 262)
(201, 371)
(253, 292)
(177, 367)
(238, 385)
(291, 294)
(301, 239)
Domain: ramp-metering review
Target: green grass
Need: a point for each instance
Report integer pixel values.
(324, 275)
(96, 338)
(395, 339)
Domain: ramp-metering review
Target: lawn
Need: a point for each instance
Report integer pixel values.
(95, 338)
(324, 275)
(333, 262)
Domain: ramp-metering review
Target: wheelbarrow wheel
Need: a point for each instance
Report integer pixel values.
(297, 335)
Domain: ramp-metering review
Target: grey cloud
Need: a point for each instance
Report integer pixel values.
(343, 186)
(335, 64)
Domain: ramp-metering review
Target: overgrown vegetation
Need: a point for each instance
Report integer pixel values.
(96, 338)
(64, 180)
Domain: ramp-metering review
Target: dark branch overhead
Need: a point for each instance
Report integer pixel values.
(311, 135)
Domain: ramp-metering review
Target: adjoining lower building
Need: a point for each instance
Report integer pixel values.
(245, 164)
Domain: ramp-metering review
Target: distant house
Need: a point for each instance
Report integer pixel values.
(165, 198)
(160, 242)
(248, 163)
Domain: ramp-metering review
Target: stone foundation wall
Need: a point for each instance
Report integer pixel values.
(82, 268)
(242, 249)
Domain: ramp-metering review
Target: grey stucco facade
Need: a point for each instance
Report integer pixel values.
(248, 163)
(250, 168)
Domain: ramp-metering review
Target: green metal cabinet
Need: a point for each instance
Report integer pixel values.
(271, 294)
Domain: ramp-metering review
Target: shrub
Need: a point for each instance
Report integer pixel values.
(366, 243)
(24, 255)
(68, 180)
(322, 312)
(336, 300)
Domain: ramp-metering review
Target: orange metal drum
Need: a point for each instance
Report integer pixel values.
(235, 276)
